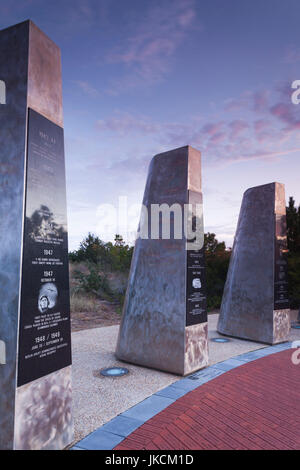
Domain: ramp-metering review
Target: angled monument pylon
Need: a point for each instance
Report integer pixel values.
(255, 302)
(164, 323)
(35, 333)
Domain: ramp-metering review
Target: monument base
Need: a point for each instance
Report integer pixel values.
(281, 325)
(281, 330)
(196, 349)
(43, 412)
(195, 354)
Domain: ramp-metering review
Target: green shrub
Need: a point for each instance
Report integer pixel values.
(293, 240)
(294, 279)
(217, 262)
(94, 282)
(113, 257)
(102, 259)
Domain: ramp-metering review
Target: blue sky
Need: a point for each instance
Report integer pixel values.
(144, 76)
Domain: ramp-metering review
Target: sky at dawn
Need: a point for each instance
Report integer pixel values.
(141, 77)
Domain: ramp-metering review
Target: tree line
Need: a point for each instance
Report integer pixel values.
(293, 241)
(115, 257)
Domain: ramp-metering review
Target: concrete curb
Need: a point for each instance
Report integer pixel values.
(115, 431)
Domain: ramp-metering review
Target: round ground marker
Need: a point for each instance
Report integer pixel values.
(114, 372)
(220, 340)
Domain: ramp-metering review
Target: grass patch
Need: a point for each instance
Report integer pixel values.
(81, 302)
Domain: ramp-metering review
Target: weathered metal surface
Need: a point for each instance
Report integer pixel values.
(31, 77)
(247, 309)
(44, 76)
(281, 325)
(13, 71)
(44, 413)
(153, 327)
(196, 347)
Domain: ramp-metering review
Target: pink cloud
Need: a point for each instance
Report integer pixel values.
(212, 128)
(262, 130)
(186, 18)
(292, 55)
(87, 88)
(234, 105)
(261, 125)
(282, 111)
(217, 138)
(286, 113)
(284, 89)
(237, 127)
(260, 100)
(237, 104)
(263, 137)
(150, 47)
(257, 133)
(123, 123)
(270, 154)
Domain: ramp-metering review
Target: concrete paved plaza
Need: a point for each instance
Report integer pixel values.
(143, 393)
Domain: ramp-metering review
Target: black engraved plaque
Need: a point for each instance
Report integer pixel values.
(196, 303)
(196, 309)
(281, 294)
(44, 330)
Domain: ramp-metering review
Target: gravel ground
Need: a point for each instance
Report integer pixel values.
(107, 316)
(97, 400)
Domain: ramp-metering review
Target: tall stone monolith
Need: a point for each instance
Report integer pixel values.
(255, 302)
(35, 337)
(164, 323)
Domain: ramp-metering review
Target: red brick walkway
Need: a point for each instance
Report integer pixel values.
(255, 406)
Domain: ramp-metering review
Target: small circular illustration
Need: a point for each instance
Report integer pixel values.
(197, 283)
